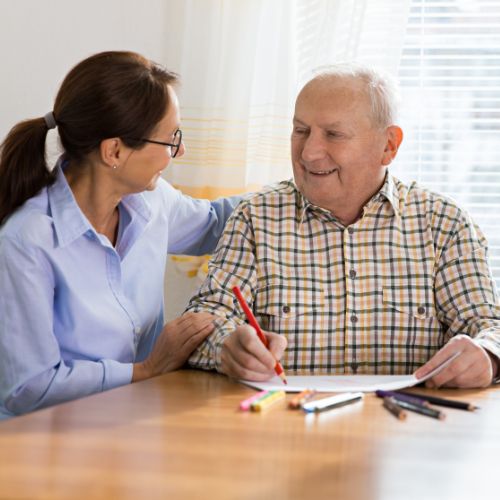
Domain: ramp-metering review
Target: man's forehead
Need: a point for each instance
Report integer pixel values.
(333, 87)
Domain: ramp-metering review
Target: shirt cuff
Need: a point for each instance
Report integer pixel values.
(116, 374)
(488, 341)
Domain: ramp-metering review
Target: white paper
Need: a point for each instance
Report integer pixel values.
(346, 383)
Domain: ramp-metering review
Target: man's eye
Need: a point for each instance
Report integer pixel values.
(299, 131)
(332, 134)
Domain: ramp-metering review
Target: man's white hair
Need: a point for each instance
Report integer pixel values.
(380, 87)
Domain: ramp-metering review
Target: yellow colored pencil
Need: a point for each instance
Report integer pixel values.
(268, 401)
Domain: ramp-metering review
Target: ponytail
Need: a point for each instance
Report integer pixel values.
(110, 94)
(23, 166)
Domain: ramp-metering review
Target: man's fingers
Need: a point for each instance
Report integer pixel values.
(249, 342)
(469, 369)
(277, 345)
(461, 364)
(439, 358)
(248, 369)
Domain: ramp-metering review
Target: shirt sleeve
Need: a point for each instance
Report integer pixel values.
(465, 293)
(195, 226)
(32, 372)
(233, 264)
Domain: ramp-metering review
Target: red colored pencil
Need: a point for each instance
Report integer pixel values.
(253, 322)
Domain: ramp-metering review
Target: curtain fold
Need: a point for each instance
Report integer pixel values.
(241, 65)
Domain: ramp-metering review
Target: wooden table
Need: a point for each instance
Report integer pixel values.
(181, 436)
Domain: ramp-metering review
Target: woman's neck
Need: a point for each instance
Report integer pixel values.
(94, 194)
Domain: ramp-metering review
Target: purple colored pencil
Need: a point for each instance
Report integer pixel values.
(402, 397)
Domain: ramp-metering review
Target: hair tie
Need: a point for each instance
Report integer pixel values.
(50, 120)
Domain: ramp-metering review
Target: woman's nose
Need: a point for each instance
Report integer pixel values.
(182, 150)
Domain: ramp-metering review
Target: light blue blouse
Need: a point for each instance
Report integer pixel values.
(75, 312)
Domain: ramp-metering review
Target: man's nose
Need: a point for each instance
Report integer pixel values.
(314, 147)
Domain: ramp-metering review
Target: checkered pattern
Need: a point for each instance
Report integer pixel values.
(380, 296)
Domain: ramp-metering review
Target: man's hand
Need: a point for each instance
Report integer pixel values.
(244, 356)
(178, 339)
(473, 368)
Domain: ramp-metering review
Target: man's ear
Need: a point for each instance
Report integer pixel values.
(110, 151)
(394, 139)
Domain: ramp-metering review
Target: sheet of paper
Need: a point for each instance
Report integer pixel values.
(346, 383)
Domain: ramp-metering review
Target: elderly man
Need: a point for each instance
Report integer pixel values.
(348, 269)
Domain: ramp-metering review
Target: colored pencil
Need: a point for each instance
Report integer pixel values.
(332, 402)
(253, 322)
(399, 396)
(267, 401)
(423, 410)
(301, 398)
(246, 403)
(449, 403)
(391, 405)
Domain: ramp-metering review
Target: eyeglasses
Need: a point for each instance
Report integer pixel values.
(175, 146)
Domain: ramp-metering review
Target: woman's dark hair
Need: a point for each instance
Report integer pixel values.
(110, 94)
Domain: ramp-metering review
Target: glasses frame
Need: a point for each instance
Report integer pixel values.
(174, 147)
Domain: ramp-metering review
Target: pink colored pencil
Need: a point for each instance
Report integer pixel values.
(246, 403)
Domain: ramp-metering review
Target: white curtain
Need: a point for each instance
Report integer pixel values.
(242, 63)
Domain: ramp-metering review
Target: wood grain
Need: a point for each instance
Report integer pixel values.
(181, 436)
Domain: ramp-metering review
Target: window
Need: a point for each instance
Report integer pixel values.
(450, 85)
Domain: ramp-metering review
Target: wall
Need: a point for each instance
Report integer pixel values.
(41, 40)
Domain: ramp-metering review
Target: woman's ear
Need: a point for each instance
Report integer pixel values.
(394, 139)
(110, 150)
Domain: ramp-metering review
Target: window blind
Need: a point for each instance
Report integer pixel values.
(450, 87)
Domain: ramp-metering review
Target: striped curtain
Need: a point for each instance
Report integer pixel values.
(242, 63)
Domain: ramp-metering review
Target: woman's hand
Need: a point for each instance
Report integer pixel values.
(178, 339)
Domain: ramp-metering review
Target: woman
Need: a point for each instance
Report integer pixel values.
(83, 246)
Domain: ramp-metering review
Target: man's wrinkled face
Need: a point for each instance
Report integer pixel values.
(337, 151)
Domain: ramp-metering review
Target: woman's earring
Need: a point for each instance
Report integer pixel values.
(114, 167)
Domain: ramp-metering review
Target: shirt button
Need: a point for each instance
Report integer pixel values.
(354, 366)
(352, 274)
(421, 310)
(286, 309)
(350, 230)
(354, 318)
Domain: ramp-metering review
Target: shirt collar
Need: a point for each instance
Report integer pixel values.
(388, 191)
(69, 221)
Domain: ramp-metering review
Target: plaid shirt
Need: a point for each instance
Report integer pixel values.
(379, 296)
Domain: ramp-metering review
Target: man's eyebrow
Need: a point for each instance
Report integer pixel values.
(336, 124)
(296, 120)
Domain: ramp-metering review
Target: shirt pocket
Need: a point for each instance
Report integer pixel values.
(410, 302)
(409, 321)
(284, 305)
